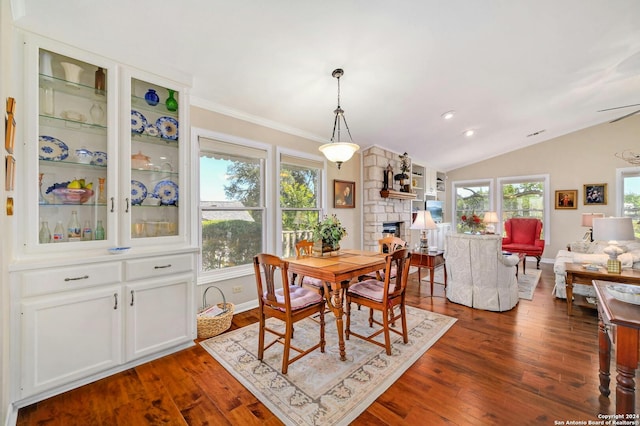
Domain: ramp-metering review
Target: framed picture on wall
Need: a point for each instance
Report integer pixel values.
(344, 194)
(595, 194)
(566, 199)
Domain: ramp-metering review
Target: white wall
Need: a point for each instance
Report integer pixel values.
(573, 160)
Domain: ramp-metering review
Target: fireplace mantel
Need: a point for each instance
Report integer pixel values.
(390, 193)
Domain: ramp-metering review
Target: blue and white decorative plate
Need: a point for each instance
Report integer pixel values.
(168, 127)
(151, 130)
(52, 149)
(138, 192)
(138, 121)
(167, 191)
(99, 158)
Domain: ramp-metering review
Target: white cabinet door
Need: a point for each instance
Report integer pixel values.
(159, 315)
(70, 336)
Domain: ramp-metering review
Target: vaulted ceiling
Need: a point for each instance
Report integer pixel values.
(516, 72)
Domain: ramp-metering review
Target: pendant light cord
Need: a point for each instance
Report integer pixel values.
(339, 112)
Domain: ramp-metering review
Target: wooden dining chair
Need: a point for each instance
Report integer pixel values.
(386, 245)
(383, 296)
(290, 304)
(304, 249)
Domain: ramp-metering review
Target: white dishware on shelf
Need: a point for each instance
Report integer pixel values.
(71, 72)
(83, 155)
(45, 64)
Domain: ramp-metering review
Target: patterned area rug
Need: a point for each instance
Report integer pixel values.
(527, 283)
(319, 389)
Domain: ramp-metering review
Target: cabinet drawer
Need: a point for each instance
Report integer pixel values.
(157, 266)
(56, 280)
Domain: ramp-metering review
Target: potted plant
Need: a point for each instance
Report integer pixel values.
(327, 234)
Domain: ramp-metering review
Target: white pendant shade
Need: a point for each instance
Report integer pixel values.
(339, 152)
(335, 151)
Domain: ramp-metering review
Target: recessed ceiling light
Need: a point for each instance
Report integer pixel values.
(448, 115)
(469, 133)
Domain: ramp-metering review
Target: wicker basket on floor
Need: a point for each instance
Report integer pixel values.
(212, 326)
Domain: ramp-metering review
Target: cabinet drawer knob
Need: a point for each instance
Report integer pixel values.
(115, 298)
(131, 298)
(162, 267)
(77, 278)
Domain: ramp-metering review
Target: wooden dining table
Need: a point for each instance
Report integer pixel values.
(337, 271)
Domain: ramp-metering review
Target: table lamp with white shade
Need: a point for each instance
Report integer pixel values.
(423, 222)
(490, 218)
(613, 230)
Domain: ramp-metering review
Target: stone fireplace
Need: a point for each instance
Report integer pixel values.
(377, 210)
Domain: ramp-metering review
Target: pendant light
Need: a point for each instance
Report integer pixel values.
(338, 151)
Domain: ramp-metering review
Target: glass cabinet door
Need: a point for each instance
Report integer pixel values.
(155, 151)
(73, 154)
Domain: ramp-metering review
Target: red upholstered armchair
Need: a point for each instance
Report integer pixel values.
(523, 236)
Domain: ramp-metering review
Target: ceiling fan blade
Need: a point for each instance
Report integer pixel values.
(626, 106)
(625, 116)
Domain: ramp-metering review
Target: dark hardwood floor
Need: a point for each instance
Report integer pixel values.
(530, 365)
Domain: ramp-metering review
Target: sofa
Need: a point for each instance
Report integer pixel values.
(478, 274)
(590, 252)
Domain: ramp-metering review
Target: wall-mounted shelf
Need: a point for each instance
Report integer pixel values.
(390, 193)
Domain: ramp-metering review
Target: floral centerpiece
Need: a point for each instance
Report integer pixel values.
(328, 232)
(472, 222)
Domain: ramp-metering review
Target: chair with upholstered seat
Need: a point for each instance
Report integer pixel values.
(523, 235)
(387, 245)
(382, 296)
(289, 304)
(303, 249)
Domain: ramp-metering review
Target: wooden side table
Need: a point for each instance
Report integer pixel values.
(430, 260)
(576, 273)
(621, 320)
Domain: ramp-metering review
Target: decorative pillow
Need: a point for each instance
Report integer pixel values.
(597, 247)
(580, 246)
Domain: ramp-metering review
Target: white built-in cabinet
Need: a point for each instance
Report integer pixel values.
(77, 311)
(418, 186)
(69, 336)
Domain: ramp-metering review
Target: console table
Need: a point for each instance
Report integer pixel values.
(576, 273)
(620, 320)
(430, 260)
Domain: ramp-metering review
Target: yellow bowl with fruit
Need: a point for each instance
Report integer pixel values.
(72, 195)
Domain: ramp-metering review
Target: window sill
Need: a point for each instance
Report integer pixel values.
(225, 274)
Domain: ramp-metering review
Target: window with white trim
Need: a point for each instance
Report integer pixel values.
(526, 196)
(522, 198)
(471, 198)
(629, 183)
(300, 201)
(232, 204)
